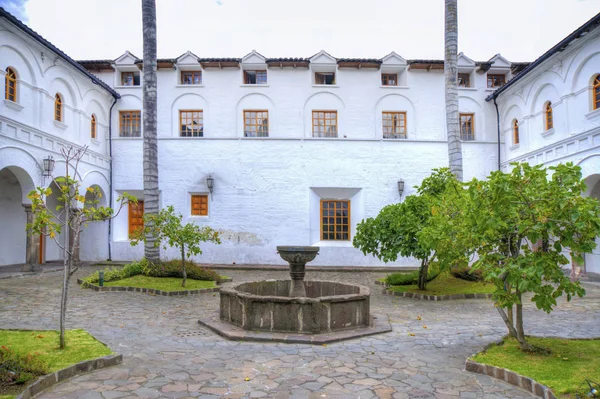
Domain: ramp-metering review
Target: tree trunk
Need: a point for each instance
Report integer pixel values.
(525, 346)
(151, 251)
(183, 272)
(511, 328)
(451, 79)
(423, 271)
(67, 269)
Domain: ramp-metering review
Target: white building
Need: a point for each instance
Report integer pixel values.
(285, 140)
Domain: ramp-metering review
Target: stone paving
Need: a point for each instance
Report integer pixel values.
(168, 355)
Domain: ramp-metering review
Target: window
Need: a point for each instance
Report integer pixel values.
(548, 119)
(495, 80)
(467, 131)
(464, 80)
(136, 217)
(597, 92)
(389, 79)
(324, 78)
(10, 81)
(58, 108)
(324, 123)
(255, 77)
(191, 77)
(394, 125)
(130, 79)
(191, 123)
(515, 129)
(93, 127)
(256, 123)
(335, 220)
(200, 205)
(130, 124)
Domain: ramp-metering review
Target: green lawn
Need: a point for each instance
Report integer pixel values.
(161, 283)
(446, 284)
(563, 370)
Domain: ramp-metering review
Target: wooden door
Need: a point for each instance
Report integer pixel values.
(136, 217)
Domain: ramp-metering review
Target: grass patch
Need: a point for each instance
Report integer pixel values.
(161, 283)
(446, 284)
(563, 370)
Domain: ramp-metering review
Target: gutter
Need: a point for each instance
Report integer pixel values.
(498, 126)
(110, 183)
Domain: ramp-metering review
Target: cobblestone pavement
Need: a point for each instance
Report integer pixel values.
(168, 355)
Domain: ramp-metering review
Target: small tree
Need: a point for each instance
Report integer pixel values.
(76, 211)
(521, 224)
(167, 227)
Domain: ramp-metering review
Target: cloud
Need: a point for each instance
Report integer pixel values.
(15, 7)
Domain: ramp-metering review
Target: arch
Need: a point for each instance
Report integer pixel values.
(544, 93)
(548, 116)
(93, 127)
(60, 85)
(590, 166)
(25, 167)
(513, 112)
(324, 101)
(24, 60)
(13, 236)
(325, 92)
(391, 103)
(189, 101)
(255, 124)
(586, 68)
(95, 107)
(94, 178)
(58, 108)
(10, 85)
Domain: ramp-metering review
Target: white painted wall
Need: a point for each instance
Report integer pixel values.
(12, 220)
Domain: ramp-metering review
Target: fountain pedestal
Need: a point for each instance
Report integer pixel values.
(297, 257)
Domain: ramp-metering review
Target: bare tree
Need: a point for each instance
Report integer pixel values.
(451, 88)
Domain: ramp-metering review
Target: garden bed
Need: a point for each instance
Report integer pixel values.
(444, 287)
(165, 286)
(563, 371)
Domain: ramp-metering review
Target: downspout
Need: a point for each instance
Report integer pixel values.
(110, 191)
(498, 123)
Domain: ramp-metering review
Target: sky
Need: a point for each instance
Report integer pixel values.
(521, 30)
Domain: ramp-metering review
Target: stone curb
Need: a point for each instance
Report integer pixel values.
(153, 291)
(309, 268)
(28, 274)
(48, 380)
(425, 297)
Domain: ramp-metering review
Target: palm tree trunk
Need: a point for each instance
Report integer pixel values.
(151, 251)
(451, 78)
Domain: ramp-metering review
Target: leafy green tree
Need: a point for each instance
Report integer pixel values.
(521, 224)
(73, 212)
(168, 229)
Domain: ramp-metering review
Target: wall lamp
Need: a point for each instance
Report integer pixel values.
(48, 166)
(210, 183)
(400, 187)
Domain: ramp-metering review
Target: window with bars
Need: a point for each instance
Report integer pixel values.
(324, 123)
(199, 205)
(389, 79)
(467, 127)
(130, 79)
(464, 80)
(130, 124)
(136, 217)
(324, 78)
(255, 77)
(58, 108)
(10, 82)
(495, 80)
(93, 127)
(191, 123)
(596, 92)
(191, 77)
(394, 125)
(335, 220)
(256, 123)
(548, 116)
(515, 129)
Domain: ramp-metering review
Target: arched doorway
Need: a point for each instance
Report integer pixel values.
(94, 246)
(592, 260)
(52, 250)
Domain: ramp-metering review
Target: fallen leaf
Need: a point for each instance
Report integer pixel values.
(411, 334)
(247, 379)
(425, 327)
(418, 317)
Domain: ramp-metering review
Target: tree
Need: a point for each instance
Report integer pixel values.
(521, 224)
(77, 212)
(396, 230)
(151, 206)
(451, 88)
(167, 227)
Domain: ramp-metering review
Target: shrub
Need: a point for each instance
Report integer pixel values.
(411, 277)
(17, 369)
(113, 273)
(464, 272)
(172, 268)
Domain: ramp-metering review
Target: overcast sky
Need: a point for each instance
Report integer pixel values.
(521, 30)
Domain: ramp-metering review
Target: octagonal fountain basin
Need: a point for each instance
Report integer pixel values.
(267, 306)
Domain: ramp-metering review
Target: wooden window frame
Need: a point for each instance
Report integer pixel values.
(58, 108)
(196, 202)
(596, 93)
(138, 119)
(490, 76)
(385, 79)
(93, 127)
(324, 120)
(515, 130)
(194, 132)
(335, 224)
(393, 134)
(548, 116)
(133, 227)
(323, 74)
(467, 137)
(10, 82)
(256, 125)
(468, 79)
(193, 74)
(256, 73)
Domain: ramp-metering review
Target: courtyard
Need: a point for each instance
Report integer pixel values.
(167, 354)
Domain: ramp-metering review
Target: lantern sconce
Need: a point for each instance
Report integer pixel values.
(210, 183)
(400, 187)
(48, 166)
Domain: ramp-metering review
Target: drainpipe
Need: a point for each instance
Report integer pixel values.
(110, 190)
(498, 123)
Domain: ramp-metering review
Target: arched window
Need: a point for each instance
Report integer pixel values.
(58, 108)
(515, 129)
(597, 92)
(10, 80)
(93, 127)
(549, 120)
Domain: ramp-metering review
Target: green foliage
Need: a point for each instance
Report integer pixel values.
(113, 273)
(447, 284)
(161, 283)
(410, 278)
(464, 272)
(17, 369)
(172, 268)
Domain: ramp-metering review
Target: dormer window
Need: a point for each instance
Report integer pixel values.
(324, 78)
(495, 80)
(389, 79)
(130, 79)
(464, 80)
(255, 77)
(191, 77)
